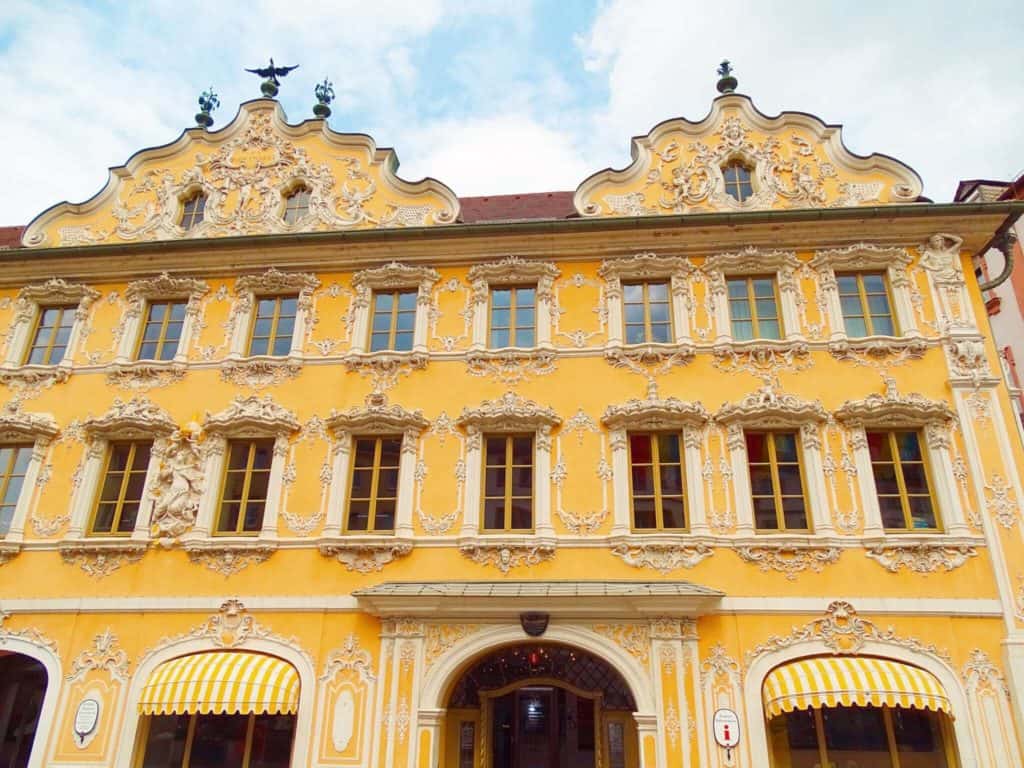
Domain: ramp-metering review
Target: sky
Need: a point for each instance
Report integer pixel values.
(504, 96)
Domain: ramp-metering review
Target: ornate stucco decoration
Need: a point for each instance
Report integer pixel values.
(53, 291)
(246, 171)
(922, 557)
(29, 634)
(645, 266)
(350, 657)
(365, 556)
(378, 418)
(663, 557)
(509, 413)
(980, 674)
(259, 374)
(254, 416)
(394, 276)
(229, 557)
(752, 261)
(273, 281)
(99, 558)
(878, 350)
(768, 409)
(859, 257)
(506, 555)
(655, 413)
(177, 488)
(969, 360)
(894, 410)
(440, 637)
(795, 160)
(138, 292)
(512, 270)
(16, 424)
(141, 376)
(137, 418)
(763, 359)
(633, 638)
(104, 655)
(510, 366)
(842, 630)
(789, 559)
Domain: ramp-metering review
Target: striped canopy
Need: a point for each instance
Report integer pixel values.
(851, 680)
(222, 682)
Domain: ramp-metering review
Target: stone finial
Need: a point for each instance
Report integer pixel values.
(208, 102)
(324, 93)
(726, 82)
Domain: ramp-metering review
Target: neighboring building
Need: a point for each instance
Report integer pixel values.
(1005, 301)
(305, 464)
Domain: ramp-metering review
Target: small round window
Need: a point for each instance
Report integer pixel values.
(737, 181)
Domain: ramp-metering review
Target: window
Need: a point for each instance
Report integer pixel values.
(225, 741)
(246, 479)
(737, 181)
(656, 481)
(374, 489)
(775, 481)
(273, 325)
(394, 320)
(124, 481)
(508, 483)
(754, 308)
(162, 331)
(513, 317)
(863, 736)
(864, 298)
(296, 204)
(901, 479)
(193, 211)
(50, 340)
(647, 313)
(14, 461)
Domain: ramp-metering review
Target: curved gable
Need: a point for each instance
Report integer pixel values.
(794, 160)
(246, 170)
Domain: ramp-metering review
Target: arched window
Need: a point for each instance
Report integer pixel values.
(737, 181)
(296, 204)
(193, 210)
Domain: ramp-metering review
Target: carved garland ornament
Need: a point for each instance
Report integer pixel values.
(378, 418)
(507, 555)
(790, 559)
(751, 261)
(101, 559)
(768, 409)
(252, 416)
(228, 558)
(53, 291)
(634, 638)
(273, 281)
(922, 557)
(366, 556)
(105, 655)
(662, 557)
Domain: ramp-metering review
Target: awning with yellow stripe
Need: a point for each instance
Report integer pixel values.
(851, 680)
(222, 682)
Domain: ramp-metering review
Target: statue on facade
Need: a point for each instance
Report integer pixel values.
(941, 256)
(178, 488)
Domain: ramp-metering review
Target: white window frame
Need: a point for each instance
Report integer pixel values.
(137, 420)
(391, 277)
(250, 288)
(647, 267)
(245, 418)
(510, 414)
(513, 272)
(783, 267)
(30, 300)
(139, 295)
(375, 420)
(656, 415)
(37, 429)
(864, 257)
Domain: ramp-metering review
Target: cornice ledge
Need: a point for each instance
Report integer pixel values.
(510, 412)
(100, 557)
(655, 413)
(507, 552)
(377, 418)
(365, 554)
(663, 553)
(894, 410)
(790, 558)
(229, 556)
(923, 554)
(16, 424)
(139, 417)
(768, 408)
(252, 415)
(861, 256)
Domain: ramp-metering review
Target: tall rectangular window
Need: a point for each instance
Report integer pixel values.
(273, 325)
(50, 340)
(508, 483)
(513, 317)
(373, 492)
(867, 311)
(246, 479)
(162, 330)
(14, 461)
(647, 313)
(656, 481)
(124, 481)
(901, 479)
(776, 483)
(394, 321)
(754, 308)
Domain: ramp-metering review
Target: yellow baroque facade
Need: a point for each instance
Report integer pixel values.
(301, 467)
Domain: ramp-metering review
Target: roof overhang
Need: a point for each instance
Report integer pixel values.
(482, 600)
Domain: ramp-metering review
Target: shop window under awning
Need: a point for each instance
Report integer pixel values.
(222, 682)
(851, 681)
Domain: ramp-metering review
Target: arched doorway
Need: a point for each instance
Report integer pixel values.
(23, 683)
(540, 705)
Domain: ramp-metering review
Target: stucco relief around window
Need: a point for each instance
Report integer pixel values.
(33, 432)
(646, 269)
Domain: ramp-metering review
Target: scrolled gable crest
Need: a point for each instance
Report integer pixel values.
(254, 416)
(643, 266)
(767, 408)
(655, 413)
(509, 413)
(165, 287)
(275, 281)
(892, 409)
(139, 417)
(16, 424)
(377, 418)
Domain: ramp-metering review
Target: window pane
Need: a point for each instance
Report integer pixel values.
(794, 513)
(253, 516)
(802, 735)
(740, 310)
(522, 451)
(258, 347)
(878, 446)
(668, 449)
(501, 318)
(407, 301)
(659, 313)
(918, 731)
(892, 512)
(878, 304)
(856, 327)
(258, 485)
(165, 742)
(403, 342)
(219, 741)
(495, 451)
(885, 478)
(499, 338)
(672, 513)
(272, 741)
(635, 334)
(390, 451)
(387, 483)
(634, 313)
(873, 283)
(851, 306)
(129, 512)
(384, 517)
(501, 297)
(661, 334)
(148, 351)
(522, 514)
(525, 297)
(228, 520)
(914, 479)
(764, 288)
(406, 321)
(657, 292)
(494, 514)
(855, 730)
(381, 322)
(785, 446)
(770, 329)
(358, 515)
(522, 481)
(789, 480)
(921, 513)
(640, 449)
(742, 330)
(178, 311)
(643, 513)
(764, 514)
(671, 480)
(738, 289)
(364, 450)
(524, 338)
(766, 308)
(757, 447)
(104, 518)
(847, 283)
(633, 293)
(883, 326)
(494, 481)
(643, 480)
(761, 480)
(282, 345)
(908, 446)
(361, 483)
(383, 302)
(239, 455)
(378, 341)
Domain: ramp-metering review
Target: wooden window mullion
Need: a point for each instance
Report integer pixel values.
(374, 484)
(508, 482)
(246, 486)
(659, 512)
(250, 727)
(189, 740)
(773, 468)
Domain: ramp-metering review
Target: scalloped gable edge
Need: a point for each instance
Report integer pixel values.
(830, 134)
(386, 156)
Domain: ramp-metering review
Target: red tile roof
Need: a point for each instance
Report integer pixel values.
(530, 206)
(10, 237)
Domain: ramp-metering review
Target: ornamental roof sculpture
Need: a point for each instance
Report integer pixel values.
(246, 171)
(792, 160)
